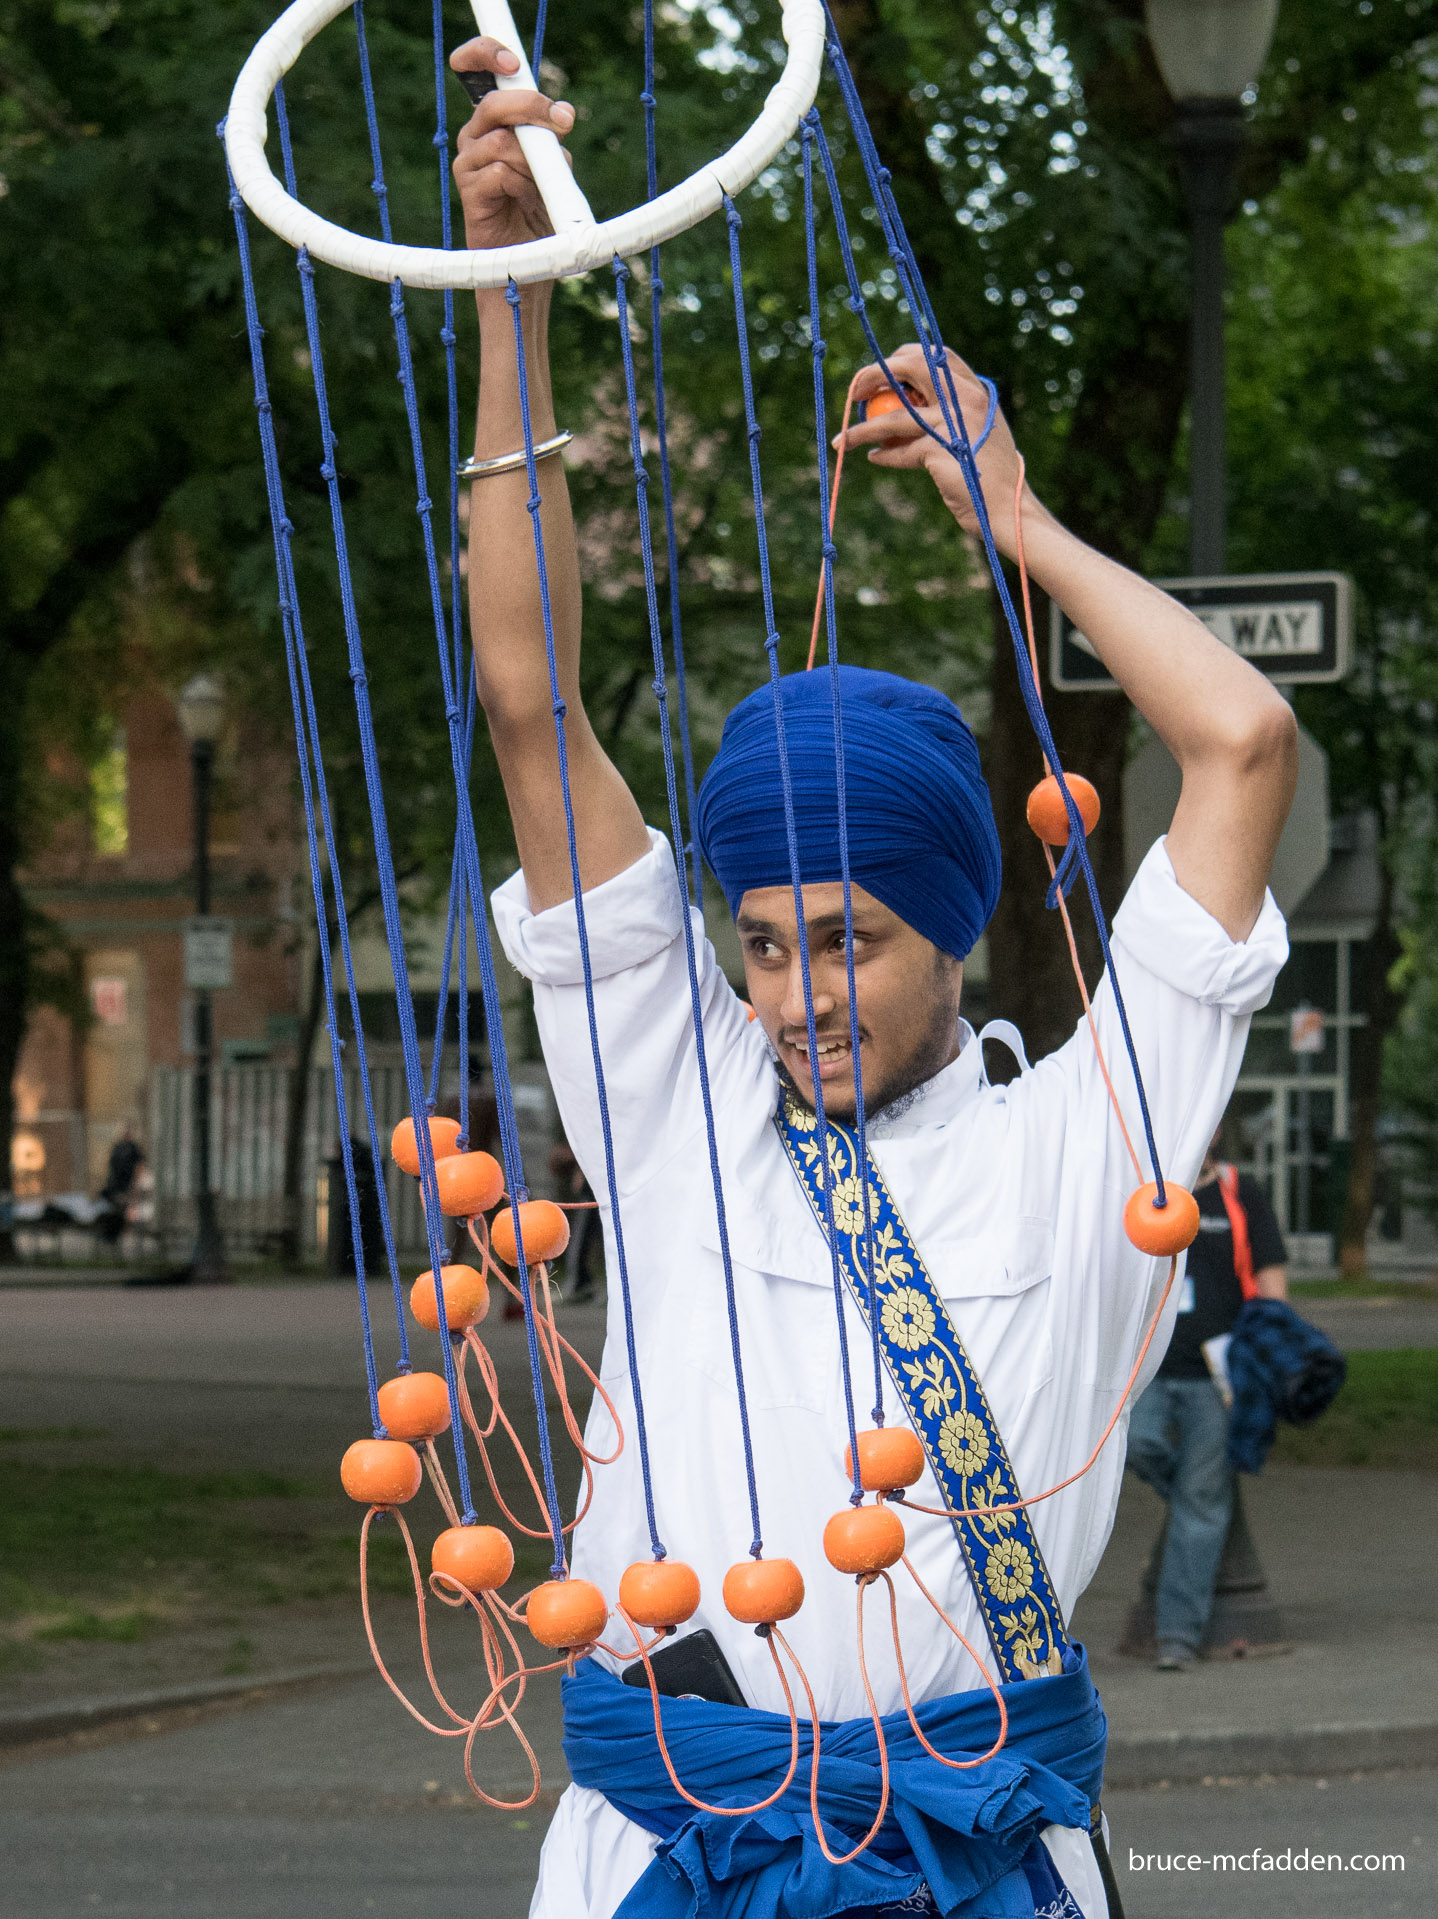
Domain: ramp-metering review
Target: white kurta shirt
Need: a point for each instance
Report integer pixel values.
(1013, 1195)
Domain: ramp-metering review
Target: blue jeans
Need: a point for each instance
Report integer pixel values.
(1178, 1443)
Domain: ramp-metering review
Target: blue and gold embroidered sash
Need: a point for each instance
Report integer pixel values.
(938, 1385)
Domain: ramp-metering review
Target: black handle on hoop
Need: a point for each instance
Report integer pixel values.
(476, 85)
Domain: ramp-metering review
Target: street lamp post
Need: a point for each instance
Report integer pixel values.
(201, 713)
(1209, 53)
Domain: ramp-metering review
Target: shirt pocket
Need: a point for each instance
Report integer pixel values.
(997, 1289)
(787, 1338)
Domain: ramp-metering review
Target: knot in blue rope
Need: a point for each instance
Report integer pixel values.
(647, 100)
(451, 712)
(641, 474)
(511, 293)
(661, 691)
(560, 708)
(358, 676)
(307, 265)
(856, 303)
(235, 202)
(831, 552)
(533, 503)
(441, 138)
(884, 176)
(379, 189)
(447, 336)
(656, 285)
(287, 527)
(771, 642)
(621, 272)
(263, 406)
(733, 216)
(327, 471)
(424, 505)
(756, 434)
(821, 349)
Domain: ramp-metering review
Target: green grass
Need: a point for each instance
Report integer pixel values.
(1423, 1291)
(1385, 1416)
(110, 1552)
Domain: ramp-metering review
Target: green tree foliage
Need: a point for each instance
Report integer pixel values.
(1028, 150)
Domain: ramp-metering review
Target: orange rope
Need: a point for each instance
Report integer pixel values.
(833, 1858)
(833, 515)
(732, 1812)
(1034, 1499)
(959, 1765)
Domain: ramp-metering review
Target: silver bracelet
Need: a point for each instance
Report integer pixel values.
(473, 469)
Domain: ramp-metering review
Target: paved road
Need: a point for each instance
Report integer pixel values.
(335, 1805)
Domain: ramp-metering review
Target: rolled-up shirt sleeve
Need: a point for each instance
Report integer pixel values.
(643, 1013)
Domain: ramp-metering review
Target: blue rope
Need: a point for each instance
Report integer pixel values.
(535, 504)
(771, 644)
(282, 530)
(686, 844)
(537, 54)
(379, 825)
(509, 1131)
(964, 451)
(651, 600)
(828, 560)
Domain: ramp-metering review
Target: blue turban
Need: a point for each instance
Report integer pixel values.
(921, 830)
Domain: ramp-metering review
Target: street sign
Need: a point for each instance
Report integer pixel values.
(1151, 784)
(208, 965)
(1295, 627)
(1305, 1030)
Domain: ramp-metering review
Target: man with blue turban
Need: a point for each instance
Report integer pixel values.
(1008, 1305)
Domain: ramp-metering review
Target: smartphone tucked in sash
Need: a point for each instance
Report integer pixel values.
(937, 1383)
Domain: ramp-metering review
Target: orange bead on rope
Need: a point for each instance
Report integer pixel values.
(543, 1226)
(1161, 1230)
(469, 1184)
(864, 1539)
(414, 1406)
(404, 1147)
(566, 1612)
(381, 1472)
(466, 1298)
(890, 1457)
(1047, 814)
(479, 1557)
(659, 1592)
(887, 401)
(757, 1592)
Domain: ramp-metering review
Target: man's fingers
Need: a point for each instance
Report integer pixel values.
(484, 55)
(516, 107)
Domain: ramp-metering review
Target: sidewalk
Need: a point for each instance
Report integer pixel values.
(271, 1376)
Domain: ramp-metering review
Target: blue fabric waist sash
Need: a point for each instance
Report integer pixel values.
(963, 1834)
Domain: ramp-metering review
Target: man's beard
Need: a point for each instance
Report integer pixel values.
(898, 1093)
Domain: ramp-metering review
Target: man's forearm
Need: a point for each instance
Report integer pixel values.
(506, 612)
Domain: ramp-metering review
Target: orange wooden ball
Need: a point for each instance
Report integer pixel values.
(1161, 1230)
(1047, 814)
(380, 1472)
(889, 1457)
(758, 1592)
(543, 1226)
(469, 1183)
(864, 1539)
(566, 1612)
(415, 1406)
(659, 1592)
(887, 401)
(479, 1557)
(404, 1147)
(466, 1298)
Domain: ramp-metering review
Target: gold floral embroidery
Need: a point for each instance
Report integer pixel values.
(964, 1443)
(798, 1115)
(889, 1262)
(995, 1493)
(848, 1197)
(1025, 1634)
(908, 1318)
(931, 1382)
(1009, 1570)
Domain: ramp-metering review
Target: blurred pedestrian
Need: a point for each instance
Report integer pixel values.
(127, 1156)
(1178, 1435)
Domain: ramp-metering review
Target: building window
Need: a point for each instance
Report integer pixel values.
(110, 799)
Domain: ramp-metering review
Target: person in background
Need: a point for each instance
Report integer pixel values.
(1178, 1436)
(127, 1156)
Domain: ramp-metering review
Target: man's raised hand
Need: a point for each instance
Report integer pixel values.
(501, 203)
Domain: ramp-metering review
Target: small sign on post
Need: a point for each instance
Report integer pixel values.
(1305, 1031)
(208, 955)
(1294, 627)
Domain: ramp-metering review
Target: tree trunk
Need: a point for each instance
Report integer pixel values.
(1373, 962)
(14, 940)
(297, 1113)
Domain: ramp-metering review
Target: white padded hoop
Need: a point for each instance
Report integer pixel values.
(573, 250)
